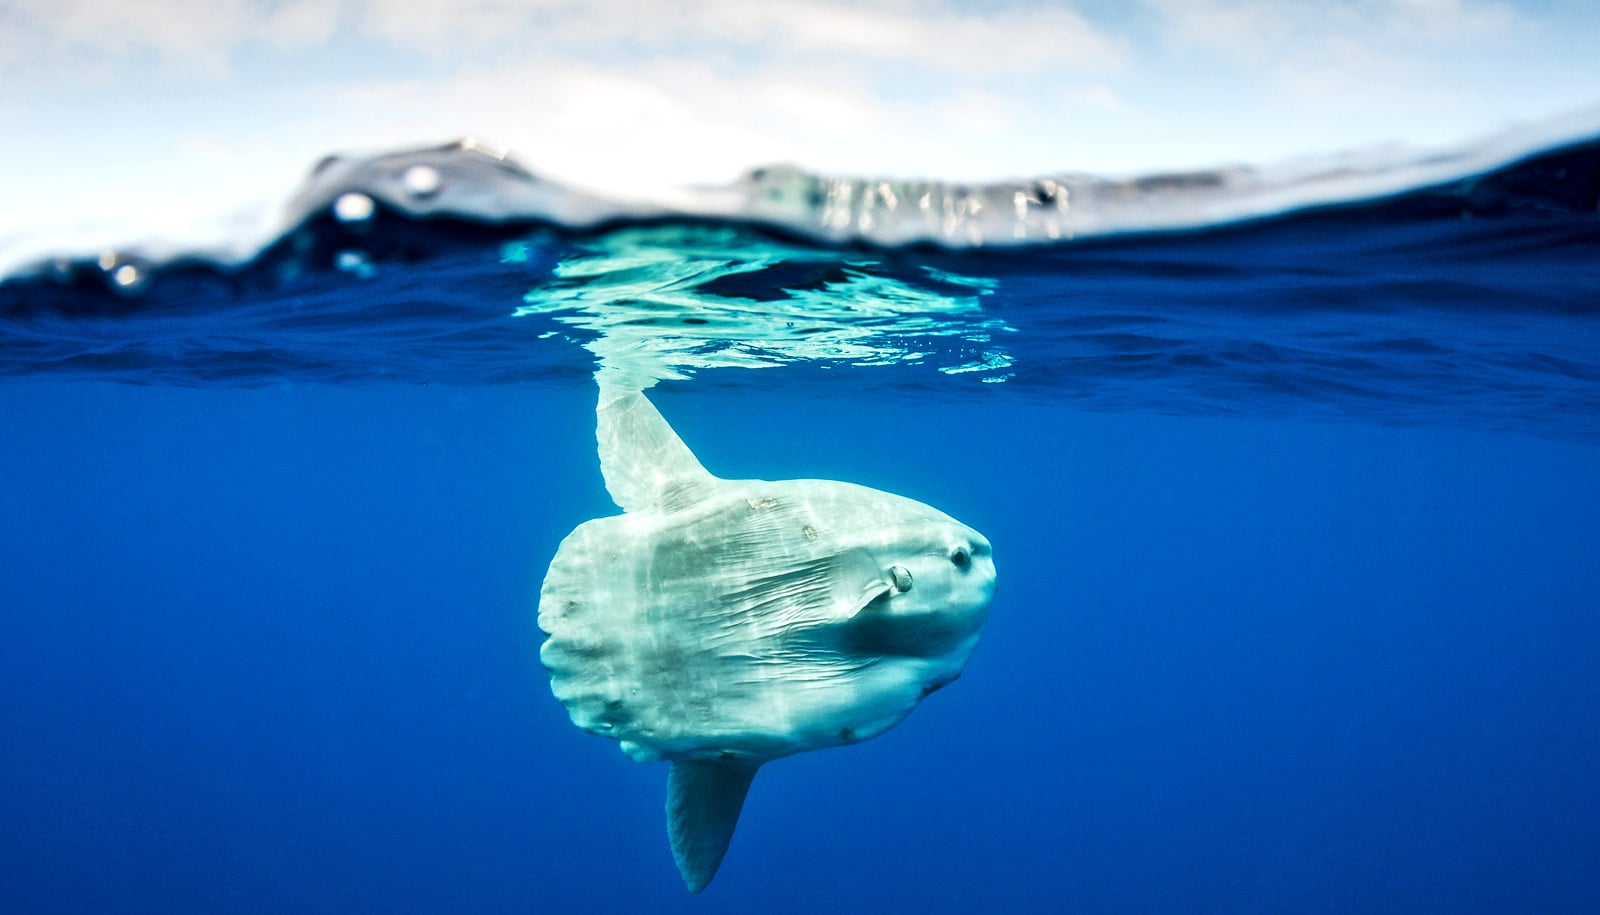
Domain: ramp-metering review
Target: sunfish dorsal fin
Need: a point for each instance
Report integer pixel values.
(644, 463)
(703, 804)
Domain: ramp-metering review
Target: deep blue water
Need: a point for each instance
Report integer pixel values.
(1295, 524)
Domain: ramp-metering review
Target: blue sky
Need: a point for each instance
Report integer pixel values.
(159, 114)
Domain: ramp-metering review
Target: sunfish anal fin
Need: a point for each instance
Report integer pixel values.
(644, 463)
(703, 804)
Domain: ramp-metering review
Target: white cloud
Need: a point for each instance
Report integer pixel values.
(1451, 21)
(1387, 59)
(206, 34)
(1091, 95)
(933, 36)
(993, 41)
(1251, 31)
(75, 38)
(1277, 39)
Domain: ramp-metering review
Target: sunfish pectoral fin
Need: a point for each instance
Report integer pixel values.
(643, 461)
(873, 592)
(856, 581)
(703, 804)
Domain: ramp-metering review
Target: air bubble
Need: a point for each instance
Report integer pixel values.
(421, 180)
(353, 207)
(127, 276)
(122, 274)
(356, 262)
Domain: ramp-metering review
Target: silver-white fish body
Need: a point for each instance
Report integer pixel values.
(762, 620)
(721, 624)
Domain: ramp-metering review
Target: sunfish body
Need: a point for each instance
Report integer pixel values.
(720, 624)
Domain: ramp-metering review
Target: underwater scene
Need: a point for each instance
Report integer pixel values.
(1285, 579)
(1115, 458)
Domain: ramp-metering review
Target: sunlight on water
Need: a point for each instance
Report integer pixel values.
(663, 302)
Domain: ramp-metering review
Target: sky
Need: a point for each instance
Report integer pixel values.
(160, 117)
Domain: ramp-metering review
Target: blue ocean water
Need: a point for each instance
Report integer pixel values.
(1295, 521)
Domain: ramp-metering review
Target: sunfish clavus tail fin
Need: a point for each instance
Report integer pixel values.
(703, 804)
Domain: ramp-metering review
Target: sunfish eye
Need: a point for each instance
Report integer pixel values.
(901, 577)
(960, 557)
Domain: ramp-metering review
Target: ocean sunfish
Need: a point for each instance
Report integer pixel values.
(720, 624)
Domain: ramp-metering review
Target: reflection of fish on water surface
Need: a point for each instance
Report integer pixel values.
(720, 624)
